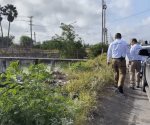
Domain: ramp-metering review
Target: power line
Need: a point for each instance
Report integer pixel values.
(32, 23)
(39, 25)
(132, 15)
(22, 20)
(22, 16)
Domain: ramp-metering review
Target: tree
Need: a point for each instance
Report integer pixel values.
(68, 43)
(72, 43)
(95, 50)
(26, 41)
(52, 44)
(11, 12)
(6, 41)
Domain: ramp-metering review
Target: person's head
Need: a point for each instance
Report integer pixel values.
(133, 41)
(146, 42)
(118, 36)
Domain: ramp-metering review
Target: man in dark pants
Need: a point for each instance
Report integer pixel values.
(117, 51)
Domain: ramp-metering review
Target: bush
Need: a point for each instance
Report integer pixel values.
(28, 97)
(96, 50)
(80, 66)
(33, 101)
(6, 41)
(87, 82)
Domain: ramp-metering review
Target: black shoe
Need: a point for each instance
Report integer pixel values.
(120, 93)
(120, 88)
(137, 86)
(115, 86)
(132, 87)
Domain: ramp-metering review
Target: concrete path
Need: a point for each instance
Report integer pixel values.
(131, 109)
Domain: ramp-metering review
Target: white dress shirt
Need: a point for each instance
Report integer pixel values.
(134, 52)
(118, 48)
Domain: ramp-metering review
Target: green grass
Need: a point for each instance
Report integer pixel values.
(87, 82)
(36, 101)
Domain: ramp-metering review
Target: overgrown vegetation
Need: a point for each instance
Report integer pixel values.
(6, 41)
(66, 45)
(33, 101)
(69, 44)
(97, 49)
(26, 41)
(29, 97)
(87, 82)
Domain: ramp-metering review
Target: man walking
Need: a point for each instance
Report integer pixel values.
(117, 51)
(135, 64)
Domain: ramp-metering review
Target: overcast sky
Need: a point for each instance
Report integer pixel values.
(129, 17)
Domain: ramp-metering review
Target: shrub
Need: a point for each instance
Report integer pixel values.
(96, 50)
(33, 101)
(28, 97)
(87, 82)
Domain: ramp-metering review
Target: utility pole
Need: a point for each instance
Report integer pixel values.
(34, 37)
(106, 35)
(104, 30)
(102, 22)
(31, 24)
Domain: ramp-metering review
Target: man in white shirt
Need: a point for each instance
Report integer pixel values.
(117, 51)
(135, 64)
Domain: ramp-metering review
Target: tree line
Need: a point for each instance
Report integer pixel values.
(68, 43)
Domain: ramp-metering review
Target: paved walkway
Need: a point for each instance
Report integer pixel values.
(131, 109)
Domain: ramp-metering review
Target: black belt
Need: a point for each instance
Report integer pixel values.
(121, 58)
(135, 60)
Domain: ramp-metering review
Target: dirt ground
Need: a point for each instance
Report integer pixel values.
(131, 109)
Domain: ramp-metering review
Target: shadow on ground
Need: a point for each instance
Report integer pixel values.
(114, 109)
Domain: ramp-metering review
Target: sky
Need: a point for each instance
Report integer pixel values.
(129, 17)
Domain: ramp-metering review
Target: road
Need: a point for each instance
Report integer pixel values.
(131, 109)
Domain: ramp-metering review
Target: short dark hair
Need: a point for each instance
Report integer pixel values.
(118, 36)
(146, 42)
(134, 40)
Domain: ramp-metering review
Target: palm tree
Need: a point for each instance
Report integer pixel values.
(11, 12)
(1, 12)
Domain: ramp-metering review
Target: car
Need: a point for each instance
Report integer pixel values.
(145, 68)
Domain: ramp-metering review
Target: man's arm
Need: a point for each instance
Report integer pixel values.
(129, 55)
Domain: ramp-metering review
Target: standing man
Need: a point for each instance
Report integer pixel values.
(135, 64)
(118, 50)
